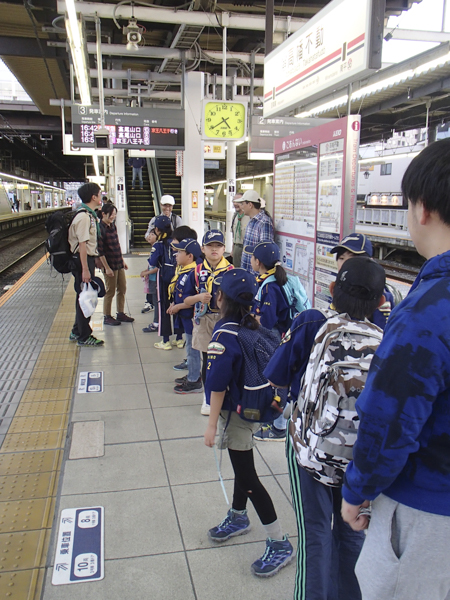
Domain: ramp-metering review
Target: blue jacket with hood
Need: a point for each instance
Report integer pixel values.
(403, 445)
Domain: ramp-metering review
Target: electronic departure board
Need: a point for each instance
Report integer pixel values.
(138, 128)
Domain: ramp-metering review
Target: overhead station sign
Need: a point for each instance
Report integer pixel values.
(337, 46)
(264, 132)
(136, 128)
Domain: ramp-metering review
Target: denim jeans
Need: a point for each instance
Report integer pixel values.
(137, 171)
(193, 359)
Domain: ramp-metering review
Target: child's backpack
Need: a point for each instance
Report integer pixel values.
(167, 265)
(325, 419)
(294, 293)
(57, 243)
(259, 401)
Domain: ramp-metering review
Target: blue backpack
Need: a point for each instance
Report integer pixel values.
(294, 293)
(259, 401)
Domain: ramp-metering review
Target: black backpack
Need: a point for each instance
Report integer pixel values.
(259, 401)
(167, 263)
(57, 243)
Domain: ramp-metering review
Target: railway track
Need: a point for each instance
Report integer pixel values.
(399, 272)
(15, 248)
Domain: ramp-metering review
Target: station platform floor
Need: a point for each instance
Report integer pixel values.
(150, 470)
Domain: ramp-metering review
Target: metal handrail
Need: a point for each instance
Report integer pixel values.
(155, 184)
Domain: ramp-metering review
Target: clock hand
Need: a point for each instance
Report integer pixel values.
(220, 123)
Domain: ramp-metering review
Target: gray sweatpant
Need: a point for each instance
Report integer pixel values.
(406, 554)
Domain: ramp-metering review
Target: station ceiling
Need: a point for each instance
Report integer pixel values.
(33, 46)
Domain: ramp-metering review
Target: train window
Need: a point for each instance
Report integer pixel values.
(386, 169)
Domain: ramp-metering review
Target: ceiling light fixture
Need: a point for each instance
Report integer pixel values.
(78, 51)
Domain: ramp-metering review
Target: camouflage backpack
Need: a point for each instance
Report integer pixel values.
(325, 423)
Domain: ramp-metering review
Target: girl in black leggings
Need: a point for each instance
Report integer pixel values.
(224, 363)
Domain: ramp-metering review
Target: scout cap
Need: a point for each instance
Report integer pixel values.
(98, 285)
(161, 222)
(190, 246)
(213, 236)
(267, 252)
(236, 282)
(362, 278)
(356, 243)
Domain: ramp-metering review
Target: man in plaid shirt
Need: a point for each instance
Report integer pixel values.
(259, 228)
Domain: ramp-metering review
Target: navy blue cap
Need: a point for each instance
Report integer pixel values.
(361, 277)
(190, 246)
(267, 252)
(98, 285)
(161, 222)
(356, 243)
(236, 282)
(215, 235)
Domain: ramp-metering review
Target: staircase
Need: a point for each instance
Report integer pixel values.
(170, 183)
(140, 206)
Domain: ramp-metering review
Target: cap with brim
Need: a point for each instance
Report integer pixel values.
(213, 236)
(167, 199)
(357, 243)
(98, 285)
(251, 196)
(236, 282)
(362, 278)
(190, 246)
(267, 252)
(161, 222)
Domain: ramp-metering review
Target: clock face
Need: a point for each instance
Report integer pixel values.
(225, 120)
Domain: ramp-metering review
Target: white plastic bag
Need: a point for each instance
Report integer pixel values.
(88, 299)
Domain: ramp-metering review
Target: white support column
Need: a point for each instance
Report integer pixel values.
(121, 200)
(193, 178)
(231, 191)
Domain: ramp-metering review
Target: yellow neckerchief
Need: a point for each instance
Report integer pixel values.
(260, 278)
(180, 270)
(221, 267)
(161, 237)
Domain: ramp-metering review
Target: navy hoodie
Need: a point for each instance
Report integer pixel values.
(403, 445)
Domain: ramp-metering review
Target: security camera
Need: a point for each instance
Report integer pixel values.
(134, 34)
(101, 139)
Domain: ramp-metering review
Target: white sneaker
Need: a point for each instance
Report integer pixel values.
(205, 409)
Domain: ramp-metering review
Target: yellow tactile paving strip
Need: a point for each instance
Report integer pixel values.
(31, 458)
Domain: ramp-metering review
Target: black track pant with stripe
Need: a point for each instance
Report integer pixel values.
(327, 547)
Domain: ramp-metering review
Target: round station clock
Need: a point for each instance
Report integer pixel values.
(224, 120)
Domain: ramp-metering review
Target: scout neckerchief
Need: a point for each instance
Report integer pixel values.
(238, 232)
(260, 278)
(161, 236)
(207, 274)
(93, 214)
(180, 270)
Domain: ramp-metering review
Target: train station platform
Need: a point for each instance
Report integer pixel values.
(144, 461)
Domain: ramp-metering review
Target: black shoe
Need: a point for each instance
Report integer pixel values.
(182, 366)
(180, 380)
(108, 320)
(189, 387)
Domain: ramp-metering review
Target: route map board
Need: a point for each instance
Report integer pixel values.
(315, 179)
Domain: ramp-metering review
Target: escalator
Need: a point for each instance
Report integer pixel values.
(170, 183)
(140, 206)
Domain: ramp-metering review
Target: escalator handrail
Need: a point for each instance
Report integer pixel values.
(155, 184)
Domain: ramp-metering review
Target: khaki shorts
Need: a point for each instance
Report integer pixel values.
(202, 333)
(238, 434)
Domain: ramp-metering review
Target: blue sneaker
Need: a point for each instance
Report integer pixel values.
(233, 524)
(278, 554)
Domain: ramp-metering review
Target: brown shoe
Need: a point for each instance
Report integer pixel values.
(124, 318)
(108, 320)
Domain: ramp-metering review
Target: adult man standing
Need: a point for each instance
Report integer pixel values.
(137, 164)
(238, 225)
(167, 204)
(259, 228)
(83, 234)
(401, 457)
